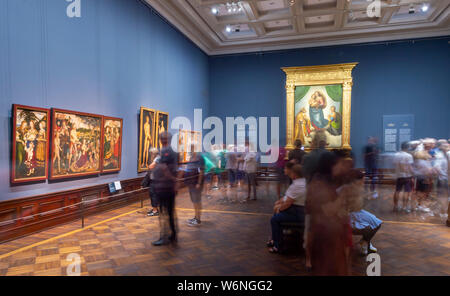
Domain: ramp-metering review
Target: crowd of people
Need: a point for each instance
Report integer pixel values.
(421, 168)
(325, 192)
(326, 197)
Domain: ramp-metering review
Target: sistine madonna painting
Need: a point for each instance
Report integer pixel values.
(318, 108)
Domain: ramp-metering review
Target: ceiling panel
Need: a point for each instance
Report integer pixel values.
(240, 26)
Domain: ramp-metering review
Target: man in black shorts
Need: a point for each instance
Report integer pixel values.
(403, 162)
(193, 179)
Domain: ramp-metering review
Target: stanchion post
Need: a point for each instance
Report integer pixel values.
(82, 213)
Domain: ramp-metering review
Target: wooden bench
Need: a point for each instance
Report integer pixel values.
(292, 236)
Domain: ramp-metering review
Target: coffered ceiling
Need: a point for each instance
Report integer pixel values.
(224, 27)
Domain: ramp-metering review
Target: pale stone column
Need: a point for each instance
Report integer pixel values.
(347, 101)
(290, 114)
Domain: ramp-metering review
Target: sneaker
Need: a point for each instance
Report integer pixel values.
(424, 209)
(152, 213)
(375, 195)
(372, 249)
(194, 222)
(190, 220)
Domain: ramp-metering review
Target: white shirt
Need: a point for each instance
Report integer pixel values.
(441, 165)
(297, 192)
(422, 167)
(251, 162)
(403, 164)
(232, 160)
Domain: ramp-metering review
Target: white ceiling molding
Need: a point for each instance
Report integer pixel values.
(267, 25)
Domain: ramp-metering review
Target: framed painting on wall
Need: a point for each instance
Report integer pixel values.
(112, 144)
(185, 141)
(147, 125)
(30, 144)
(76, 144)
(318, 99)
(162, 125)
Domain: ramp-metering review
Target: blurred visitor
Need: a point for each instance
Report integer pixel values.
(193, 179)
(279, 167)
(403, 162)
(147, 182)
(370, 163)
(362, 222)
(297, 153)
(291, 207)
(164, 186)
(251, 164)
(212, 177)
(311, 160)
(440, 165)
(329, 229)
(232, 165)
(423, 172)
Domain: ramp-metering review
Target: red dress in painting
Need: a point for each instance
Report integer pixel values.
(116, 147)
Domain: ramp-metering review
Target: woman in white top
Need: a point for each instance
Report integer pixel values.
(290, 208)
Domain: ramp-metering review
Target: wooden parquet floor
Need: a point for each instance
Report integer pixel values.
(230, 241)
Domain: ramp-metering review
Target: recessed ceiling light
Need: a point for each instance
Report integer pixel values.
(214, 10)
(425, 7)
(228, 29)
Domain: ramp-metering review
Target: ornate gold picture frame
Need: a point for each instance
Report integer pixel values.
(319, 98)
(161, 125)
(146, 138)
(186, 139)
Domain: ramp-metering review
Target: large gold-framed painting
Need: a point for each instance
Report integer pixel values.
(76, 144)
(318, 98)
(162, 125)
(187, 139)
(30, 144)
(112, 144)
(146, 137)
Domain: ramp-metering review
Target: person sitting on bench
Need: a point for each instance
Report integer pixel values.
(362, 222)
(291, 207)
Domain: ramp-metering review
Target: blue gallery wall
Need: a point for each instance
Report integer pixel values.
(409, 77)
(117, 57)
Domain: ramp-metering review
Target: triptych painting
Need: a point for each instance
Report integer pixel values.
(81, 144)
(59, 144)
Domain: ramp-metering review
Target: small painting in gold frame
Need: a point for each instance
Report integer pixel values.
(146, 138)
(162, 125)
